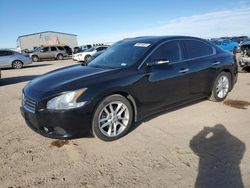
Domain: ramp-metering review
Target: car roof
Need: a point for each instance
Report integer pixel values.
(157, 39)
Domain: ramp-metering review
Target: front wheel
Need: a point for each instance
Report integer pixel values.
(221, 87)
(88, 58)
(112, 118)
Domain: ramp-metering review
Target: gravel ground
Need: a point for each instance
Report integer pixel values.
(203, 145)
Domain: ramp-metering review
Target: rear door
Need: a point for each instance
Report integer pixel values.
(53, 52)
(203, 65)
(5, 58)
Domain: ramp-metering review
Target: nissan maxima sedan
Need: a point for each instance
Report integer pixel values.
(16, 60)
(133, 79)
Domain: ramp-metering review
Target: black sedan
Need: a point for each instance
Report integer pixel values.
(133, 79)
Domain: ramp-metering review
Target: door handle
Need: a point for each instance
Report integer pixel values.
(184, 70)
(216, 63)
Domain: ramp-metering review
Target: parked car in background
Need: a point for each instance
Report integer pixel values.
(82, 48)
(86, 56)
(244, 59)
(239, 39)
(226, 44)
(97, 54)
(133, 79)
(68, 50)
(16, 60)
(245, 40)
(48, 52)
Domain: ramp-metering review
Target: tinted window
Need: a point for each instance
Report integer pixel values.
(5, 53)
(99, 49)
(53, 48)
(60, 48)
(169, 51)
(197, 49)
(45, 49)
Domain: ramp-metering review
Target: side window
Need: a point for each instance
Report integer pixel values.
(99, 49)
(169, 51)
(53, 48)
(6, 53)
(60, 48)
(197, 49)
(45, 49)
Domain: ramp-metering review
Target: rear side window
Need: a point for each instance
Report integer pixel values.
(60, 48)
(197, 49)
(5, 53)
(101, 48)
(45, 49)
(53, 48)
(169, 51)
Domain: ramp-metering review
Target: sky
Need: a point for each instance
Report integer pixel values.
(112, 20)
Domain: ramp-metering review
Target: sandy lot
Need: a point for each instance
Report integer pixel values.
(171, 150)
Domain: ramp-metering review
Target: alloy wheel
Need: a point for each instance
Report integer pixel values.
(113, 119)
(222, 87)
(17, 65)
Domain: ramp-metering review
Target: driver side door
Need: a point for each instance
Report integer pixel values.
(165, 84)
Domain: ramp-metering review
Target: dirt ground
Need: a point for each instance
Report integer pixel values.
(199, 144)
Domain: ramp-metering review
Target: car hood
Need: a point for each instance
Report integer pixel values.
(64, 79)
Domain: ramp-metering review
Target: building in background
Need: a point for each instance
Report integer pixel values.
(32, 41)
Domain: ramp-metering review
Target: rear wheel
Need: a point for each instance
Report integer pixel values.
(112, 118)
(35, 58)
(59, 57)
(221, 87)
(17, 64)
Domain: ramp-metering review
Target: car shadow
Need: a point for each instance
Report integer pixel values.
(220, 154)
(15, 80)
(162, 112)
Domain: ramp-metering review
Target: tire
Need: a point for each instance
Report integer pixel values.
(87, 58)
(35, 58)
(221, 87)
(17, 64)
(240, 68)
(109, 126)
(59, 57)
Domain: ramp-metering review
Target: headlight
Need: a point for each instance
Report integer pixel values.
(66, 101)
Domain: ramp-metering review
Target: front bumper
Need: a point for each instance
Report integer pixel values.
(59, 125)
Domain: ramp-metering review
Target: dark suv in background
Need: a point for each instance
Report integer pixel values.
(49, 52)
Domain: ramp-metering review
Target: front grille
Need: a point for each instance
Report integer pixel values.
(29, 104)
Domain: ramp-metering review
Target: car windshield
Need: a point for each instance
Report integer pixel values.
(38, 49)
(123, 54)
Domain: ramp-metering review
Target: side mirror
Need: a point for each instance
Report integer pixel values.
(157, 63)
